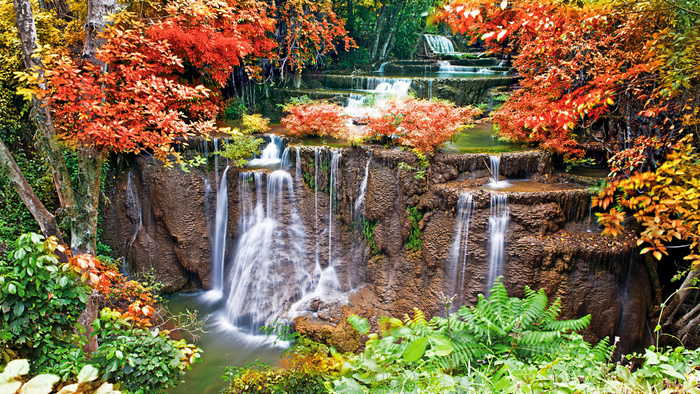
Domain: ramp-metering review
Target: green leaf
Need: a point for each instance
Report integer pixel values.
(668, 370)
(652, 358)
(63, 281)
(415, 350)
(441, 345)
(12, 289)
(359, 323)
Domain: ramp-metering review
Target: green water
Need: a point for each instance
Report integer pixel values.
(480, 139)
(223, 345)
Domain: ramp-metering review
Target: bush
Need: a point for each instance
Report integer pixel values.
(40, 303)
(421, 124)
(315, 118)
(255, 124)
(143, 361)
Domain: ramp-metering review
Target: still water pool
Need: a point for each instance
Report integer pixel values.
(223, 345)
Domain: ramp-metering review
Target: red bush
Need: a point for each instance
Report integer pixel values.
(315, 118)
(422, 124)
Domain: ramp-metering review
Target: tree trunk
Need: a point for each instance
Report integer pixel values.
(381, 19)
(47, 222)
(95, 23)
(81, 204)
(41, 114)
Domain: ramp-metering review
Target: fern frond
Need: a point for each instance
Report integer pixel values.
(568, 325)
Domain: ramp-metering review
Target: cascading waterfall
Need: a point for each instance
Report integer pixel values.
(267, 271)
(495, 182)
(271, 154)
(359, 202)
(382, 67)
(328, 283)
(135, 217)
(458, 255)
(317, 158)
(499, 216)
(218, 244)
(439, 44)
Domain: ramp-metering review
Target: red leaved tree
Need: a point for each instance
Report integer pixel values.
(217, 35)
(421, 124)
(315, 118)
(578, 64)
(136, 105)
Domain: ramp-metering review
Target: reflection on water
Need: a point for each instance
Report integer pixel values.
(525, 186)
(223, 345)
(480, 139)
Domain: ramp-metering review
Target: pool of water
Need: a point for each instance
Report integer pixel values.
(441, 74)
(480, 139)
(527, 186)
(223, 345)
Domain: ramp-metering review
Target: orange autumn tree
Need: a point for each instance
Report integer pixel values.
(306, 117)
(584, 69)
(217, 36)
(136, 105)
(307, 31)
(421, 124)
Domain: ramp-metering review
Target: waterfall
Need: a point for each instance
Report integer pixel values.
(458, 255)
(297, 165)
(285, 162)
(495, 182)
(382, 67)
(317, 158)
(271, 154)
(267, 271)
(498, 226)
(328, 283)
(218, 242)
(363, 188)
(216, 161)
(439, 44)
(135, 216)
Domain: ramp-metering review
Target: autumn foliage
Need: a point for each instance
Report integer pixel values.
(136, 105)
(315, 118)
(421, 124)
(591, 69)
(217, 35)
(665, 202)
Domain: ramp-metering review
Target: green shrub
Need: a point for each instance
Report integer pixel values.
(40, 303)
(241, 148)
(143, 361)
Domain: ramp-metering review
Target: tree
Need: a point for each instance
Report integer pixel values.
(594, 68)
(421, 124)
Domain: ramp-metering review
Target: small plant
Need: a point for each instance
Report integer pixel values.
(241, 148)
(421, 124)
(315, 118)
(255, 124)
(40, 303)
(415, 236)
(233, 109)
(138, 358)
(368, 227)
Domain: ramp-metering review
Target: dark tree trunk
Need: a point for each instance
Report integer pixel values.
(47, 222)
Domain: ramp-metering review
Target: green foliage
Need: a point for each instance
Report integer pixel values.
(144, 361)
(499, 344)
(11, 381)
(368, 227)
(241, 148)
(415, 236)
(40, 302)
(304, 373)
(233, 109)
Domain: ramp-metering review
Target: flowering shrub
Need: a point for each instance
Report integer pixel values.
(315, 118)
(422, 124)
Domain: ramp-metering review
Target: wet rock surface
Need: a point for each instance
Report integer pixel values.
(592, 274)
